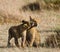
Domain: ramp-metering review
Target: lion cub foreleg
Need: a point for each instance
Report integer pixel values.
(23, 39)
(32, 38)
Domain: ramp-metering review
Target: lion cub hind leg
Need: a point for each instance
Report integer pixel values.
(32, 40)
(37, 40)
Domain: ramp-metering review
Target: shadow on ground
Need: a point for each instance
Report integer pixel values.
(7, 47)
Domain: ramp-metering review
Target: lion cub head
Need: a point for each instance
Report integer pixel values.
(33, 22)
(26, 24)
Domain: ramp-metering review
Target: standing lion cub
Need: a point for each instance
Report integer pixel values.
(18, 32)
(32, 37)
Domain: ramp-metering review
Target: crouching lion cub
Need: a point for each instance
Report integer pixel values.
(32, 37)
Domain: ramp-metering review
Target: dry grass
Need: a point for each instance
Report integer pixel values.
(46, 22)
(3, 43)
(11, 15)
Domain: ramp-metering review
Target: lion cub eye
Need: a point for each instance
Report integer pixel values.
(25, 25)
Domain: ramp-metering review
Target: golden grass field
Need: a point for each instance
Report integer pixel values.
(10, 15)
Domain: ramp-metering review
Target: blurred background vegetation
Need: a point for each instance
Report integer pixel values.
(47, 15)
(10, 9)
(50, 4)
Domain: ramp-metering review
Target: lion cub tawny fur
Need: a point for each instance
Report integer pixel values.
(33, 37)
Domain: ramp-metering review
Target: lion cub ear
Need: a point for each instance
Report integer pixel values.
(23, 21)
(30, 18)
(33, 22)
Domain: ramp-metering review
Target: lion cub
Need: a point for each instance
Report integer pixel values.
(18, 32)
(32, 37)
